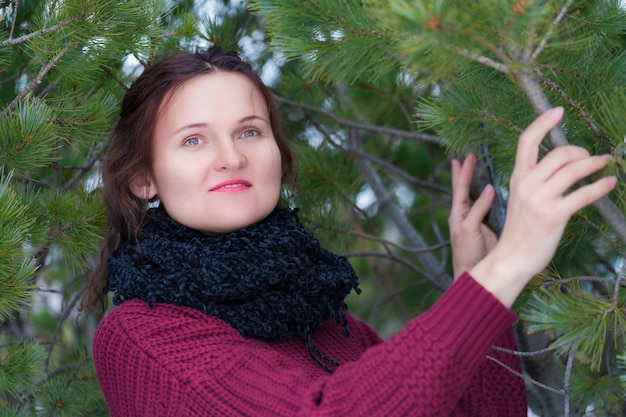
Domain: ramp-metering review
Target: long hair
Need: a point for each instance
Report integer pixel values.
(129, 155)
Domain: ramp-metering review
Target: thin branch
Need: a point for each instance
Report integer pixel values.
(385, 242)
(578, 108)
(15, 9)
(397, 259)
(363, 126)
(29, 36)
(100, 149)
(483, 60)
(618, 283)
(607, 238)
(524, 354)
(401, 174)
(568, 375)
(35, 82)
(525, 377)
(438, 276)
(607, 209)
(555, 23)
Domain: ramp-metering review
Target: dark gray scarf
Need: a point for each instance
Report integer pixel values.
(271, 280)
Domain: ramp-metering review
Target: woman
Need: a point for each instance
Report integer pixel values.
(227, 306)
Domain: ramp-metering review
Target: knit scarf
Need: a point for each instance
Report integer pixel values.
(270, 281)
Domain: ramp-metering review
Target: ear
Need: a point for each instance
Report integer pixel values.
(143, 187)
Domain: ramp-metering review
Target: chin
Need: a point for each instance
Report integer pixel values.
(232, 223)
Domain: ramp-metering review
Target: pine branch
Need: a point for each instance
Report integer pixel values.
(363, 126)
(401, 174)
(567, 377)
(525, 377)
(607, 209)
(385, 242)
(555, 22)
(44, 31)
(577, 108)
(82, 171)
(488, 62)
(397, 259)
(438, 276)
(35, 82)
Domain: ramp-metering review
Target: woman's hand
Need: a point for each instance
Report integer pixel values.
(471, 239)
(538, 208)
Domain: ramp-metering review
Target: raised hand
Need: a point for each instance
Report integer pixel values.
(471, 239)
(539, 208)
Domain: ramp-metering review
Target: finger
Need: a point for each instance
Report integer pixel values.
(491, 240)
(587, 194)
(528, 145)
(558, 158)
(461, 180)
(575, 171)
(481, 206)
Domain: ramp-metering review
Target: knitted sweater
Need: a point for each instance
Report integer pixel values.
(171, 360)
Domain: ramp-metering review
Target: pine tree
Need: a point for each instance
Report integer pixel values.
(376, 89)
(64, 66)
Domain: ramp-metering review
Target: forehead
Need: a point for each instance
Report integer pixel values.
(218, 91)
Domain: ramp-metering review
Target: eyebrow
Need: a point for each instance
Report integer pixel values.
(197, 125)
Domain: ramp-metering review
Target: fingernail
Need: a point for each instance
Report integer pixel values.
(557, 110)
(607, 157)
(612, 181)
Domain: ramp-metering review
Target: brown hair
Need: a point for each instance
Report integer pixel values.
(129, 156)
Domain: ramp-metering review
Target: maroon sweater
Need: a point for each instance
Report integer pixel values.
(176, 361)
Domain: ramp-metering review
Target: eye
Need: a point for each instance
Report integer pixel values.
(192, 141)
(249, 133)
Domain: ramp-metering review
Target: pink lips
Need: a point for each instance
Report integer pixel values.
(232, 186)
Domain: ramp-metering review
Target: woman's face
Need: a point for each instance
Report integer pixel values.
(216, 165)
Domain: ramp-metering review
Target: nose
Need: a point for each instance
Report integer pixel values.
(229, 156)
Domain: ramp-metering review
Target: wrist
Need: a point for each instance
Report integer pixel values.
(499, 275)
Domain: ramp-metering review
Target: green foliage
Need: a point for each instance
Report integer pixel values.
(22, 365)
(16, 269)
(475, 74)
(585, 334)
(64, 67)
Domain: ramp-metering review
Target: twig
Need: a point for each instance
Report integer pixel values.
(364, 126)
(15, 10)
(578, 108)
(42, 73)
(607, 209)
(568, 375)
(525, 377)
(438, 276)
(555, 22)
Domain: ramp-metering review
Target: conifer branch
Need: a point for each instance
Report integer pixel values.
(488, 62)
(35, 81)
(393, 170)
(526, 377)
(524, 354)
(24, 38)
(15, 9)
(607, 209)
(398, 259)
(555, 22)
(384, 242)
(568, 376)
(363, 126)
(438, 276)
(82, 171)
(577, 108)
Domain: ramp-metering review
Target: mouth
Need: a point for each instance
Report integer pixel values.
(231, 186)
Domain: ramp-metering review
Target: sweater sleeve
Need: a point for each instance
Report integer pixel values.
(434, 367)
